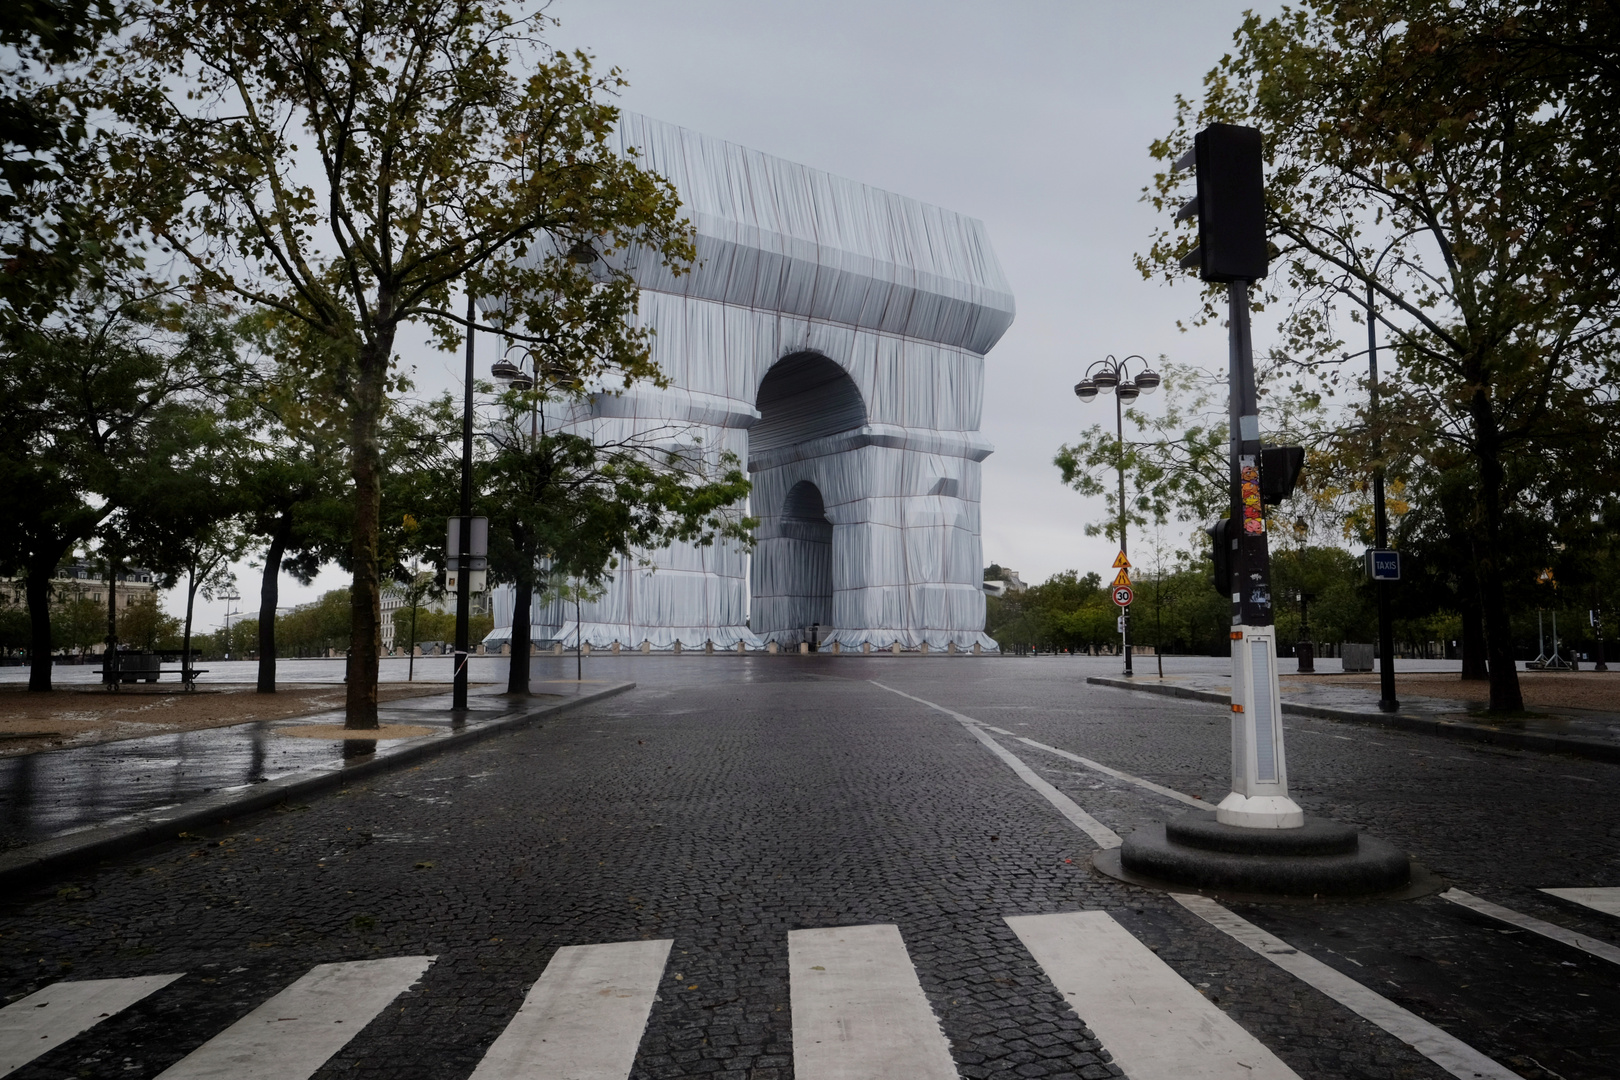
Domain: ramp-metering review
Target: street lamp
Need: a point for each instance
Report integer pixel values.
(1113, 376)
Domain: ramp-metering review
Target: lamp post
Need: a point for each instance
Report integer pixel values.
(1305, 648)
(1386, 626)
(1110, 376)
(230, 598)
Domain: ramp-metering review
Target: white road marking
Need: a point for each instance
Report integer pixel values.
(47, 1018)
(1100, 833)
(1445, 1050)
(858, 1010)
(584, 1018)
(1600, 949)
(295, 1032)
(1155, 1024)
(1606, 900)
(1098, 766)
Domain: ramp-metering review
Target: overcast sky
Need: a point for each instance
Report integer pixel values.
(1034, 117)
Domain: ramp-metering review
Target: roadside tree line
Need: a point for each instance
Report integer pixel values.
(216, 220)
(1447, 174)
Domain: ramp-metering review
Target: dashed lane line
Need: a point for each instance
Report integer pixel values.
(1606, 900)
(584, 1018)
(858, 1009)
(1600, 949)
(1445, 1050)
(294, 1033)
(1155, 1025)
(1100, 833)
(1098, 766)
(47, 1018)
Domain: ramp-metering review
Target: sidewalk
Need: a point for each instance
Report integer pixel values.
(1587, 733)
(62, 807)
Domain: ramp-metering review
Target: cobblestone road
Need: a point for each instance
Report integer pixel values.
(729, 802)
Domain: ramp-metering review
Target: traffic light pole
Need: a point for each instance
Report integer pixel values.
(1259, 797)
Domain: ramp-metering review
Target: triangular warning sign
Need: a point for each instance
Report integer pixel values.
(1122, 578)
(1120, 560)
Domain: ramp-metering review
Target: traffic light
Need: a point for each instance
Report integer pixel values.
(1279, 472)
(1230, 204)
(1222, 540)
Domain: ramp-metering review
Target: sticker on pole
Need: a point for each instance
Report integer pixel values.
(1123, 596)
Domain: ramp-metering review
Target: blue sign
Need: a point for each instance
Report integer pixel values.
(1383, 565)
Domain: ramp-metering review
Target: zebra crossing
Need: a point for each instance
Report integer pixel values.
(858, 1008)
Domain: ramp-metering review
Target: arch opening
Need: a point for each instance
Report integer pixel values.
(804, 396)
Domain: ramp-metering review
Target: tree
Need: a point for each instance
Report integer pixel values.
(315, 629)
(1453, 167)
(1178, 471)
(51, 235)
(143, 623)
(566, 508)
(77, 624)
(289, 468)
(442, 145)
(92, 414)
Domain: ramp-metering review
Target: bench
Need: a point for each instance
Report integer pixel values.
(151, 674)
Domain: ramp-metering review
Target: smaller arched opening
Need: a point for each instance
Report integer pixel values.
(799, 604)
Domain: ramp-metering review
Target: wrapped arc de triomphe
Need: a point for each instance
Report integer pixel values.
(832, 336)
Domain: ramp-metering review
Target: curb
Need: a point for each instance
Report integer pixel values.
(34, 862)
(1591, 749)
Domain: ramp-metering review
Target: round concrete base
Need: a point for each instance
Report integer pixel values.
(1320, 859)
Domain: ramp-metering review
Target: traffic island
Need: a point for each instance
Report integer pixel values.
(1319, 859)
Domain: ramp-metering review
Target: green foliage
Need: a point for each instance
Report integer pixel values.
(1459, 161)
(443, 148)
(240, 642)
(312, 629)
(143, 624)
(1177, 472)
(78, 624)
(565, 507)
(52, 235)
(14, 630)
(100, 417)
(434, 625)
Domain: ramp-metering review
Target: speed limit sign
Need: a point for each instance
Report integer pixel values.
(1123, 596)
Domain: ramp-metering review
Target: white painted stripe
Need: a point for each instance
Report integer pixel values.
(1604, 900)
(1100, 833)
(858, 1010)
(584, 1018)
(295, 1032)
(1168, 793)
(1155, 1024)
(47, 1018)
(1447, 1051)
(1600, 949)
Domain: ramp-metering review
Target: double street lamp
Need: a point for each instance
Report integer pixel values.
(1110, 376)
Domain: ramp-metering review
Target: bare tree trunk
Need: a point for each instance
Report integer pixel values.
(269, 594)
(1504, 673)
(365, 594)
(517, 676)
(110, 659)
(40, 572)
(185, 640)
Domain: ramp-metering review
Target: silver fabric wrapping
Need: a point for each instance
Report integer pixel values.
(846, 328)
